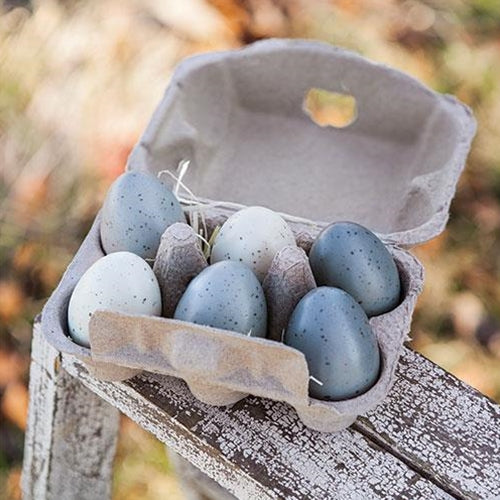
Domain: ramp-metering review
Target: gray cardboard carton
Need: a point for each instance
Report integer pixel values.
(238, 118)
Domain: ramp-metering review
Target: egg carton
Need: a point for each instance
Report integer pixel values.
(238, 117)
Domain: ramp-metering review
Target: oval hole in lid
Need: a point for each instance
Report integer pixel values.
(326, 108)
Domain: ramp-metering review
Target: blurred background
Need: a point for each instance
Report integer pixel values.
(79, 80)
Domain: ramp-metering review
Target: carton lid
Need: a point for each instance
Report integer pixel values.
(238, 118)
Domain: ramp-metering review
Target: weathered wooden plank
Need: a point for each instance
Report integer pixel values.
(443, 427)
(169, 430)
(439, 427)
(71, 434)
(259, 448)
(195, 484)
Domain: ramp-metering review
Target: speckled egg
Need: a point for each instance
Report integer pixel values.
(225, 295)
(121, 282)
(252, 236)
(349, 256)
(332, 331)
(137, 210)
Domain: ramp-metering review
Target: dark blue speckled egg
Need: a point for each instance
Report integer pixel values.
(332, 331)
(225, 295)
(349, 256)
(137, 210)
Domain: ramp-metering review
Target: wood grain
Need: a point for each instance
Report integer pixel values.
(434, 437)
(442, 427)
(259, 448)
(71, 434)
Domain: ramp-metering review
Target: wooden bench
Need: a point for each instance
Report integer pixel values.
(433, 438)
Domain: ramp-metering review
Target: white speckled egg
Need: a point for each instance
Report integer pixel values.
(252, 236)
(120, 281)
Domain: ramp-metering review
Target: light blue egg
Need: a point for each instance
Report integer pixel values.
(332, 331)
(349, 256)
(137, 210)
(121, 282)
(225, 295)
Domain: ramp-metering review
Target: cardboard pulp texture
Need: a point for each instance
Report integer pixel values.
(238, 117)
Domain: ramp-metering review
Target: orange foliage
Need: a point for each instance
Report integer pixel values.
(11, 300)
(14, 404)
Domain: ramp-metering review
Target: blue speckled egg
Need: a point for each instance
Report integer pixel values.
(349, 256)
(137, 210)
(225, 295)
(332, 331)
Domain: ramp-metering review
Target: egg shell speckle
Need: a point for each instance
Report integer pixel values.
(120, 281)
(252, 236)
(349, 256)
(137, 210)
(225, 295)
(333, 333)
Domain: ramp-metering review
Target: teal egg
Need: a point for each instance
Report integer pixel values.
(137, 210)
(332, 331)
(225, 295)
(349, 256)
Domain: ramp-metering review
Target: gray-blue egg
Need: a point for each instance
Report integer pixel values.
(137, 210)
(225, 295)
(349, 256)
(332, 331)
